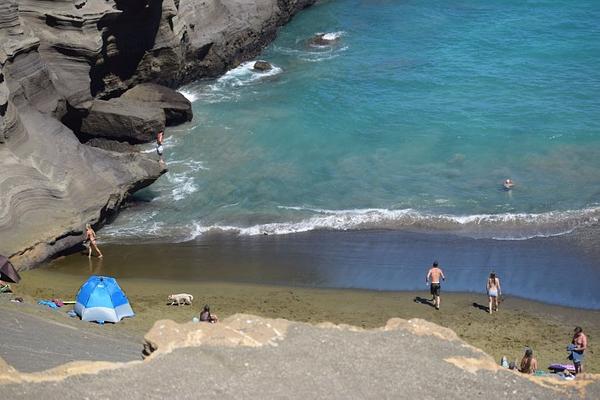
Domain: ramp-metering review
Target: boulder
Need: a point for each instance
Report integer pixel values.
(113, 145)
(123, 120)
(177, 108)
(262, 66)
(323, 40)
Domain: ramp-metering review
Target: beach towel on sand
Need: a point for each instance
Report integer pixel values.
(48, 303)
(561, 367)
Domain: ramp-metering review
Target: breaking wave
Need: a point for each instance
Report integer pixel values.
(508, 226)
(223, 88)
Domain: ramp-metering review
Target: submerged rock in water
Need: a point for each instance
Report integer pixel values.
(324, 39)
(262, 66)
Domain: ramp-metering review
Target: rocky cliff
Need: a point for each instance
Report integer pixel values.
(64, 68)
(249, 357)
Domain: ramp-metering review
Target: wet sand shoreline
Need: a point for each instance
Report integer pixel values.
(556, 270)
(520, 323)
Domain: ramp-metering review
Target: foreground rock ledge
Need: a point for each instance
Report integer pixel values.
(246, 356)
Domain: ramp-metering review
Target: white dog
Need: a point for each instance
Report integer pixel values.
(181, 298)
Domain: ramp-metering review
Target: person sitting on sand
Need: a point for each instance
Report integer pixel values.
(206, 316)
(508, 184)
(90, 240)
(433, 275)
(493, 291)
(528, 363)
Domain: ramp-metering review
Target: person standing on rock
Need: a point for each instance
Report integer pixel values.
(433, 275)
(90, 239)
(159, 145)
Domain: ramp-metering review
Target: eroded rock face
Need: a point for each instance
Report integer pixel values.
(101, 48)
(50, 184)
(69, 61)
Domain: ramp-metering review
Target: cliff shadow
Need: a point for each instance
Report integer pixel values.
(126, 39)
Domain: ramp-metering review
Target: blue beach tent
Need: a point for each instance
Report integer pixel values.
(101, 299)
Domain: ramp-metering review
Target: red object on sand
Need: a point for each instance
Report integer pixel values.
(58, 302)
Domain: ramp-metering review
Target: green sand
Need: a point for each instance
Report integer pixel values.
(520, 323)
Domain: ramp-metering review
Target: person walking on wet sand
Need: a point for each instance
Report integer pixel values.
(493, 291)
(90, 240)
(577, 347)
(433, 275)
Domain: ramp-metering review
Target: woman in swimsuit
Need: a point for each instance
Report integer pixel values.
(493, 291)
(528, 363)
(90, 239)
(206, 316)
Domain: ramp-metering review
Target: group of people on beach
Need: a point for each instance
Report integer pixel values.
(528, 363)
(576, 349)
(435, 275)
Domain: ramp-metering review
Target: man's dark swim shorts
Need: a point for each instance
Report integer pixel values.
(435, 289)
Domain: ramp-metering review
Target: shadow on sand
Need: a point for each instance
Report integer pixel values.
(481, 307)
(422, 300)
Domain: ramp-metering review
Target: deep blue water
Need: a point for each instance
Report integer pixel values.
(410, 119)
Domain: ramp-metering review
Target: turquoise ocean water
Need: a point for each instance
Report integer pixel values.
(411, 119)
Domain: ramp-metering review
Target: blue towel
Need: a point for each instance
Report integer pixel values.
(576, 356)
(48, 303)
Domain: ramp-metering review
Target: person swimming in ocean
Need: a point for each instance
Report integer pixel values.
(508, 184)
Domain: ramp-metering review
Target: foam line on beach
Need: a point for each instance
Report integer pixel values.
(520, 226)
(507, 226)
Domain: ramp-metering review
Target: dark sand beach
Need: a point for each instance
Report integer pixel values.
(519, 323)
(361, 278)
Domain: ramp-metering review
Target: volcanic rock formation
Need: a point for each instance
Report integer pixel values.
(63, 66)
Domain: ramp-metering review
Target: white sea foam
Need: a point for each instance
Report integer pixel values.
(244, 74)
(136, 224)
(315, 53)
(183, 185)
(495, 226)
(190, 165)
(333, 35)
(224, 88)
(188, 94)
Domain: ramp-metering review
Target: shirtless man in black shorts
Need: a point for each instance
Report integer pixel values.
(433, 275)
